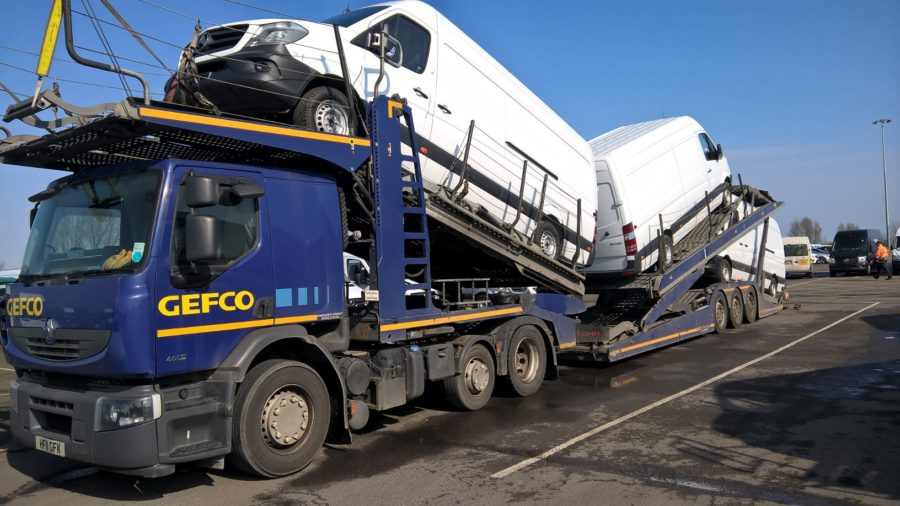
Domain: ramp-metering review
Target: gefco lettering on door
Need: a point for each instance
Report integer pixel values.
(25, 306)
(202, 303)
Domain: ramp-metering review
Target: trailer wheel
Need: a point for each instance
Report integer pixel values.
(720, 311)
(547, 237)
(472, 389)
(324, 109)
(282, 412)
(750, 306)
(527, 361)
(736, 310)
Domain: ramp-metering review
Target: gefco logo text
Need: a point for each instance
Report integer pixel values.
(25, 306)
(201, 303)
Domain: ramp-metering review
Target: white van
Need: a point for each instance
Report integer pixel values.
(739, 261)
(658, 167)
(798, 257)
(290, 70)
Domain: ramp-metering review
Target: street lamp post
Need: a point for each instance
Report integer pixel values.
(887, 220)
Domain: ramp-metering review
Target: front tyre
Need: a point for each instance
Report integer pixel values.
(325, 109)
(547, 237)
(282, 413)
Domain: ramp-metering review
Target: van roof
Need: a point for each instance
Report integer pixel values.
(797, 239)
(646, 133)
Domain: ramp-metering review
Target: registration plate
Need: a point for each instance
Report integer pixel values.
(50, 446)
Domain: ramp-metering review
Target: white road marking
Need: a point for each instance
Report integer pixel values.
(596, 430)
(7, 369)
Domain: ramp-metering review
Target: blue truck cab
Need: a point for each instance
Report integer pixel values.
(109, 289)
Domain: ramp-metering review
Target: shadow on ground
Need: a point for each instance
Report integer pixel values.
(846, 420)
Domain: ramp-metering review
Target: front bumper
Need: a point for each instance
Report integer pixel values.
(194, 424)
(852, 266)
(255, 81)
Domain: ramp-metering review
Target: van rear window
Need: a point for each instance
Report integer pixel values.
(796, 250)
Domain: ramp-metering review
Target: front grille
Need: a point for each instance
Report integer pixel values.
(67, 344)
(220, 39)
(50, 403)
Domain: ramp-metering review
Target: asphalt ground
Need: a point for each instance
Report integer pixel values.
(802, 407)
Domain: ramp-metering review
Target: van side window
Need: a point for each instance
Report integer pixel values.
(415, 42)
(709, 149)
(239, 222)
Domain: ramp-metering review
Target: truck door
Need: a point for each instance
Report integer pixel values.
(410, 63)
(203, 309)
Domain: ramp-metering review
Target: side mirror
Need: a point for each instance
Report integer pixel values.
(201, 191)
(32, 214)
(393, 50)
(203, 238)
(719, 153)
(247, 190)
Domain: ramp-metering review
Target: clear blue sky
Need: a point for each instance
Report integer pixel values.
(790, 89)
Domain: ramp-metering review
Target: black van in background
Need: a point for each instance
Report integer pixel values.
(852, 249)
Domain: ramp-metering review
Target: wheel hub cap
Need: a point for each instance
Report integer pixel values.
(548, 245)
(285, 417)
(477, 376)
(526, 361)
(331, 118)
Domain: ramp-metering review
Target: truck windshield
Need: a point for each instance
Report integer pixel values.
(99, 226)
(854, 240)
(795, 250)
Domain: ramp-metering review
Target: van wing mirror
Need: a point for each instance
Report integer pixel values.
(393, 50)
(719, 153)
(203, 238)
(201, 191)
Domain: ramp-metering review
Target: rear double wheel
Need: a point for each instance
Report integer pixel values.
(472, 389)
(526, 361)
(719, 304)
(282, 412)
(751, 306)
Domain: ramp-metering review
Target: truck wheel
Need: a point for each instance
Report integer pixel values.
(736, 310)
(472, 389)
(720, 311)
(324, 109)
(751, 306)
(282, 411)
(547, 237)
(527, 361)
(723, 270)
(833, 274)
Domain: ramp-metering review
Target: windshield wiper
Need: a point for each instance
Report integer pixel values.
(96, 272)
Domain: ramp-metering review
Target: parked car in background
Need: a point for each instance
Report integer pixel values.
(895, 255)
(821, 255)
(288, 70)
(852, 250)
(662, 167)
(7, 277)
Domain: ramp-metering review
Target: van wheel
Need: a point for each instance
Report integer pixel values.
(720, 311)
(751, 306)
(723, 270)
(472, 388)
(809, 274)
(833, 274)
(527, 361)
(325, 109)
(547, 237)
(282, 412)
(736, 310)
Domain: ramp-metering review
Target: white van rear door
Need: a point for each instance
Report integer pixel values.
(609, 249)
(410, 67)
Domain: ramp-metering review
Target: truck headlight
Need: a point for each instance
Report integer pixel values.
(283, 32)
(119, 413)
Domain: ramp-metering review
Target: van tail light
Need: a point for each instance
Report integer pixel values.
(630, 240)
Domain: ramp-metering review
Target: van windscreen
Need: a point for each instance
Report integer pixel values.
(850, 240)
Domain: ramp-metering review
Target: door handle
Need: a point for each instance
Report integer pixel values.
(444, 108)
(606, 234)
(708, 171)
(420, 93)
